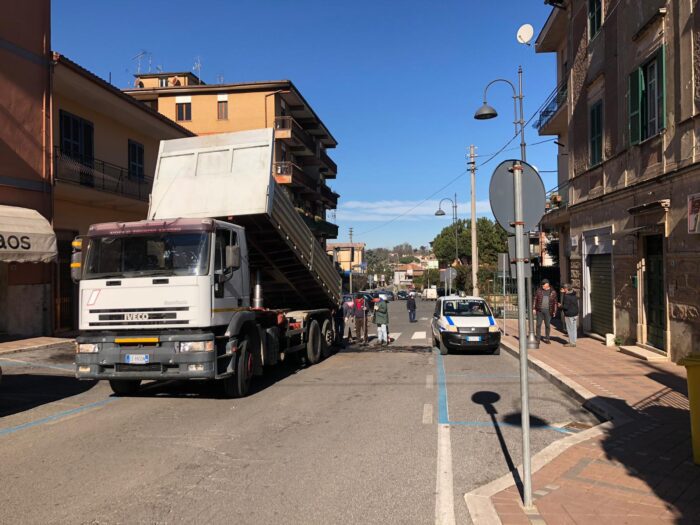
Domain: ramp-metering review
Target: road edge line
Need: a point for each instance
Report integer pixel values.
(479, 504)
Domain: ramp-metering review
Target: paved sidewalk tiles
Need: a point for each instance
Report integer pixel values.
(34, 343)
(638, 469)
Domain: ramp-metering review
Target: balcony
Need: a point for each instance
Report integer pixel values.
(552, 119)
(328, 196)
(328, 166)
(291, 174)
(319, 227)
(101, 176)
(291, 133)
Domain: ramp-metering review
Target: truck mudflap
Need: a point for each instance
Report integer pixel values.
(134, 356)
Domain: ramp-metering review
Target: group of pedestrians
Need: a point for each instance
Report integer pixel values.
(546, 306)
(356, 314)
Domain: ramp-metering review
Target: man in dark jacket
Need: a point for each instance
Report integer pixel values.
(569, 305)
(411, 307)
(545, 307)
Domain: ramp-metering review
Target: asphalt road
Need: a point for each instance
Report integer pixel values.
(355, 439)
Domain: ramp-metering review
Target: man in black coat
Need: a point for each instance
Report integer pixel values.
(411, 307)
(569, 305)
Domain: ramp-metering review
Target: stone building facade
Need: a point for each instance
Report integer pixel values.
(626, 116)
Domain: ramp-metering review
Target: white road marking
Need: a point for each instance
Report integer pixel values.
(395, 335)
(430, 359)
(428, 414)
(444, 495)
(423, 318)
(418, 335)
(429, 381)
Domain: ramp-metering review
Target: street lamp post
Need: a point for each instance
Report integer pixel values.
(441, 213)
(483, 113)
(486, 112)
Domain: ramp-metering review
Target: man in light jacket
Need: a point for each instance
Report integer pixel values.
(381, 319)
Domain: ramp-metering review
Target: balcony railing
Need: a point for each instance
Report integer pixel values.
(328, 195)
(289, 173)
(329, 168)
(297, 133)
(320, 228)
(558, 197)
(101, 175)
(552, 105)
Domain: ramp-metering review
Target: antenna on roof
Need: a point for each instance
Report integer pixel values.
(198, 68)
(138, 59)
(220, 78)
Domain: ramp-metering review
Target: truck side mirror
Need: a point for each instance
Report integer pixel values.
(76, 260)
(233, 257)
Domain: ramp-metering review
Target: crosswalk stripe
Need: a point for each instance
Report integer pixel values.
(395, 335)
(418, 335)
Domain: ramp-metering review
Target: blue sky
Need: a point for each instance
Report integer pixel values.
(396, 82)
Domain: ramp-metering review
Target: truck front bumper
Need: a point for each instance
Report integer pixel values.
(124, 357)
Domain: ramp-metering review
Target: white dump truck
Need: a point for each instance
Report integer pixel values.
(223, 279)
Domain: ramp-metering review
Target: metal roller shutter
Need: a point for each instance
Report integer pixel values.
(601, 294)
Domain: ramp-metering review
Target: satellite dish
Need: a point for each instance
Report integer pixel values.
(525, 34)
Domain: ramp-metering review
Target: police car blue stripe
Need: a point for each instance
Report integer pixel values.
(491, 321)
(449, 320)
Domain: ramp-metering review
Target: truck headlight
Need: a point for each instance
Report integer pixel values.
(451, 328)
(197, 346)
(88, 348)
(494, 328)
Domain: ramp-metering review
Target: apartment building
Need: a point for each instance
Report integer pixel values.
(301, 161)
(348, 255)
(625, 116)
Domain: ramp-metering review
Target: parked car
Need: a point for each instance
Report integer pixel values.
(464, 323)
(402, 295)
(386, 295)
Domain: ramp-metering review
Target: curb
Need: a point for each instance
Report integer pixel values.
(479, 504)
(48, 346)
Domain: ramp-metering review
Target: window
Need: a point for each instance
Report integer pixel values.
(647, 99)
(136, 169)
(163, 82)
(184, 111)
(595, 133)
(222, 110)
(223, 238)
(76, 137)
(595, 17)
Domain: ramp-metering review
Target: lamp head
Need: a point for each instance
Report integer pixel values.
(440, 213)
(485, 112)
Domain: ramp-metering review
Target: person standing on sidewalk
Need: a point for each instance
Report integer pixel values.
(545, 307)
(381, 318)
(569, 305)
(349, 319)
(411, 307)
(360, 313)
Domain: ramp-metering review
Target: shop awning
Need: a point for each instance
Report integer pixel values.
(25, 236)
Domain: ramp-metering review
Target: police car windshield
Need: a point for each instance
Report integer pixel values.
(465, 308)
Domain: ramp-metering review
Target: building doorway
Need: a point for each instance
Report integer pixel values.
(654, 303)
(601, 294)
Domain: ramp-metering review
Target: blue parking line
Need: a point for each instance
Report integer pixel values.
(55, 417)
(443, 415)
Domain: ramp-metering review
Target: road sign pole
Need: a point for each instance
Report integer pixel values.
(504, 299)
(524, 390)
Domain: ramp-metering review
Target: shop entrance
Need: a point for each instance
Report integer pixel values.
(654, 304)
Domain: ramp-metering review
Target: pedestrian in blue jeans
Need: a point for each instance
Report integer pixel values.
(411, 307)
(569, 305)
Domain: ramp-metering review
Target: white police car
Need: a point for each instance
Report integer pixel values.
(464, 323)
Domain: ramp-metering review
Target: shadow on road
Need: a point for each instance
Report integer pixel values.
(22, 392)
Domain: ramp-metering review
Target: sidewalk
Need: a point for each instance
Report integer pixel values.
(34, 343)
(636, 468)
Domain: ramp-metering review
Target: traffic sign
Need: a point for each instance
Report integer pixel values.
(502, 198)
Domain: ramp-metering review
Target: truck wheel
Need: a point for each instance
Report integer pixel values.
(125, 387)
(313, 345)
(238, 384)
(327, 337)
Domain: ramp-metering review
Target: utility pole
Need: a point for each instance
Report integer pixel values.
(475, 247)
(352, 257)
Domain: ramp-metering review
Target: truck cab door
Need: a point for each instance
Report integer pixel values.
(228, 289)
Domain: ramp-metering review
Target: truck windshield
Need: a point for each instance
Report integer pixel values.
(466, 308)
(147, 254)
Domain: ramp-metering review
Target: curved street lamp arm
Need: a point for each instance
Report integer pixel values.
(515, 92)
(443, 200)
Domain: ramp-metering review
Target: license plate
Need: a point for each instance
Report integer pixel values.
(137, 359)
(473, 338)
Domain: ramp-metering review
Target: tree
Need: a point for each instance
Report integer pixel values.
(429, 277)
(403, 249)
(406, 259)
(378, 261)
(491, 239)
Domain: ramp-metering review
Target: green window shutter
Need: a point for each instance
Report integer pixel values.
(662, 86)
(635, 101)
